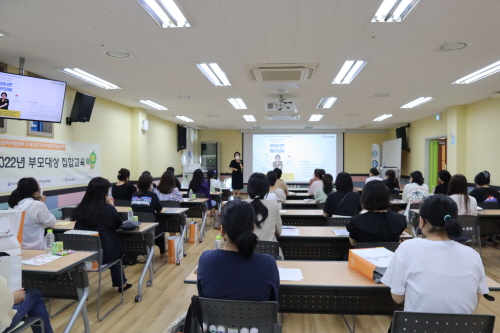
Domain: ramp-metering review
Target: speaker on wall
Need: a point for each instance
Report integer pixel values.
(82, 109)
(181, 137)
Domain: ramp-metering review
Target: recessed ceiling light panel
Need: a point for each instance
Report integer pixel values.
(184, 118)
(82, 75)
(237, 103)
(214, 74)
(165, 13)
(480, 74)
(249, 117)
(416, 102)
(326, 102)
(349, 71)
(394, 10)
(153, 104)
(383, 117)
(316, 117)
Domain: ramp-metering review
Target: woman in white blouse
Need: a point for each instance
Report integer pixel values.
(457, 190)
(28, 197)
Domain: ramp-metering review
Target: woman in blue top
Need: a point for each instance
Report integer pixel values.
(199, 185)
(237, 273)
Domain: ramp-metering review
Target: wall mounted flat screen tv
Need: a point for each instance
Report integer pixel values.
(30, 98)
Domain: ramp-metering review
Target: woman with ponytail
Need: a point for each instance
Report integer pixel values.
(236, 272)
(436, 274)
(28, 197)
(268, 220)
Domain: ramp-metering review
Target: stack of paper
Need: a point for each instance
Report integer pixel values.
(341, 232)
(290, 232)
(290, 274)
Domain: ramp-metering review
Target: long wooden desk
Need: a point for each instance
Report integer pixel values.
(303, 217)
(197, 209)
(137, 242)
(331, 287)
(166, 210)
(300, 204)
(50, 279)
(297, 196)
(317, 243)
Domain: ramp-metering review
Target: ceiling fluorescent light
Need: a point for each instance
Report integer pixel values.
(153, 104)
(237, 103)
(394, 10)
(326, 102)
(316, 117)
(383, 117)
(480, 74)
(416, 102)
(214, 73)
(82, 75)
(186, 119)
(249, 117)
(349, 71)
(165, 13)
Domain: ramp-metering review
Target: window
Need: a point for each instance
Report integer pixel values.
(41, 128)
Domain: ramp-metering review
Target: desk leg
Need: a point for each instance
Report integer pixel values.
(148, 266)
(83, 294)
(202, 231)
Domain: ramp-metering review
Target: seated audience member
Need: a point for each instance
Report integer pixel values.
(149, 173)
(123, 190)
(275, 193)
(244, 275)
(214, 182)
(374, 175)
(416, 191)
(322, 193)
(344, 201)
(444, 178)
(28, 197)
(268, 219)
(145, 201)
(97, 213)
(445, 276)
(314, 178)
(483, 192)
(199, 185)
(378, 224)
(177, 183)
(14, 306)
(317, 184)
(457, 190)
(166, 190)
(391, 181)
(279, 182)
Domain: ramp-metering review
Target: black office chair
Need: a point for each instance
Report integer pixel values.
(391, 246)
(67, 212)
(415, 205)
(488, 205)
(420, 322)
(122, 203)
(27, 323)
(395, 196)
(320, 205)
(170, 204)
(337, 221)
(470, 227)
(267, 247)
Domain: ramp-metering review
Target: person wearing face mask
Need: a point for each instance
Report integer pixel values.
(236, 166)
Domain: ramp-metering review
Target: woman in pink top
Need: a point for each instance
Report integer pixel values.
(318, 184)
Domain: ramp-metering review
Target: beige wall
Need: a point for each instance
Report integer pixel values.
(230, 142)
(162, 147)
(358, 148)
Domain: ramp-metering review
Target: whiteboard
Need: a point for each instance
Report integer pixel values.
(391, 154)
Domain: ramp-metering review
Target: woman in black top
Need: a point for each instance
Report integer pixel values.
(378, 224)
(237, 176)
(343, 201)
(483, 192)
(123, 190)
(391, 181)
(444, 178)
(4, 102)
(97, 213)
(145, 201)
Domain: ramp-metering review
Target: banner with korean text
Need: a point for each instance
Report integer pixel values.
(52, 163)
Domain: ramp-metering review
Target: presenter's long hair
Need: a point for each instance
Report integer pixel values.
(93, 205)
(26, 187)
(238, 222)
(258, 188)
(198, 179)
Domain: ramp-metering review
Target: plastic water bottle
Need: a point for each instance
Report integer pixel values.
(218, 243)
(190, 195)
(49, 240)
(130, 214)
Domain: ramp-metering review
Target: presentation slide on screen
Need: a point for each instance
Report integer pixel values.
(297, 155)
(29, 98)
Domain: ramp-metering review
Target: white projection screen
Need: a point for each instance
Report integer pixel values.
(296, 154)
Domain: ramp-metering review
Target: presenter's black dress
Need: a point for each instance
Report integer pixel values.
(237, 176)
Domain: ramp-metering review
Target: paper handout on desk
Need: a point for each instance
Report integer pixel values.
(282, 211)
(290, 232)
(290, 274)
(371, 262)
(40, 259)
(340, 232)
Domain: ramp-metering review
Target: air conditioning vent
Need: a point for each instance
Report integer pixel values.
(281, 72)
(283, 117)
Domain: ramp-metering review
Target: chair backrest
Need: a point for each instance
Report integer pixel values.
(420, 322)
(239, 314)
(170, 203)
(217, 189)
(391, 246)
(267, 247)
(488, 205)
(395, 196)
(469, 224)
(201, 195)
(415, 205)
(320, 205)
(77, 242)
(67, 212)
(122, 203)
(337, 221)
